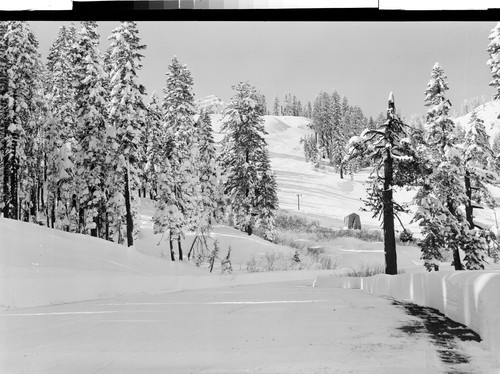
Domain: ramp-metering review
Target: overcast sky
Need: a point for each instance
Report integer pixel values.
(361, 60)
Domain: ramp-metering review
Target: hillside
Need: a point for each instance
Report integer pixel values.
(489, 113)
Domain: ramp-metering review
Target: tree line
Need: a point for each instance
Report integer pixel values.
(81, 144)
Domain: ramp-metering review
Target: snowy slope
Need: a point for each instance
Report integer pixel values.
(323, 196)
(489, 113)
(41, 266)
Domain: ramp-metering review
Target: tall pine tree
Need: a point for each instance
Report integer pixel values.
(91, 99)
(389, 149)
(126, 117)
(442, 192)
(494, 60)
(20, 88)
(177, 205)
(479, 165)
(243, 157)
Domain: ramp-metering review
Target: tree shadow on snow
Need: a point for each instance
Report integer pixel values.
(443, 333)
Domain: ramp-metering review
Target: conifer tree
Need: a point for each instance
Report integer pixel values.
(494, 60)
(209, 174)
(126, 120)
(91, 100)
(20, 89)
(389, 149)
(442, 191)
(338, 137)
(242, 157)
(266, 196)
(322, 123)
(60, 129)
(276, 106)
(182, 196)
(154, 120)
(479, 165)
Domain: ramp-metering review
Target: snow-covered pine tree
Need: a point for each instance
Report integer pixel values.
(442, 191)
(126, 117)
(267, 196)
(154, 120)
(276, 106)
(309, 110)
(210, 175)
(20, 88)
(496, 152)
(338, 136)
(262, 105)
(241, 155)
(478, 159)
(91, 100)
(494, 60)
(177, 207)
(60, 128)
(389, 148)
(322, 123)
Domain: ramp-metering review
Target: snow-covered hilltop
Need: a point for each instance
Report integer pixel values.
(489, 113)
(211, 104)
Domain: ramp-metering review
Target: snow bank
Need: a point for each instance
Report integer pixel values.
(470, 298)
(41, 266)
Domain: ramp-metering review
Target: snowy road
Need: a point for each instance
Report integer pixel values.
(267, 328)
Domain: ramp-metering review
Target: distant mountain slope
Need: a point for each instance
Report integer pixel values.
(211, 104)
(489, 113)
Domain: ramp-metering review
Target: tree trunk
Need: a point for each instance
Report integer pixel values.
(179, 245)
(457, 263)
(341, 171)
(106, 226)
(12, 203)
(6, 178)
(469, 210)
(34, 202)
(172, 255)
(128, 208)
(391, 266)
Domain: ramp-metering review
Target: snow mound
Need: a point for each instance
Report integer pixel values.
(275, 125)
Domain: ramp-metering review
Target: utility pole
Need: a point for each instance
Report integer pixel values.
(298, 201)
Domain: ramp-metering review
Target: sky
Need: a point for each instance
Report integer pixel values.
(364, 61)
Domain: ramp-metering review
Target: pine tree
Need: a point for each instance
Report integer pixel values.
(61, 183)
(496, 152)
(494, 60)
(91, 101)
(210, 176)
(479, 171)
(442, 191)
(338, 136)
(262, 105)
(20, 88)
(181, 197)
(152, 148)
(242, 156)
(266, 196)
(276, 106)
(389, 149)
(322, 123)
(309, 110)
(126, 117)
